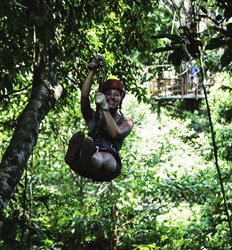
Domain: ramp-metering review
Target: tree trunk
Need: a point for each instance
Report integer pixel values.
(44, 93)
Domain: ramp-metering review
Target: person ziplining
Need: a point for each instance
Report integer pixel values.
(97, 156)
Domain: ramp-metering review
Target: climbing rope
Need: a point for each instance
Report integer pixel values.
(101, 70)
(202, 73)
(215, 151)
(99, 59)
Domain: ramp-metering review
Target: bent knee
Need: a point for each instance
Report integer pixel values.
(103, 159)
(96, 160)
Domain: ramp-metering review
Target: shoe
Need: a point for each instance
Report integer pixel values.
(87, 151)
(74, 147)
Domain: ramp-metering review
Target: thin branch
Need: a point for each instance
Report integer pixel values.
(2, 97)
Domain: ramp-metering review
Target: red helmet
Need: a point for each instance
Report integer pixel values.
(112, 84)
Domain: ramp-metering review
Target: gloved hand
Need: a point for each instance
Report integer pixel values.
(97, 62)
(93, 65)
(100, 99)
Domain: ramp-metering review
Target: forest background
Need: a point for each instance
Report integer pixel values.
(169, 194)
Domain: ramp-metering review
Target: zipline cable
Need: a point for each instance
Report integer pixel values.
(202, 73)
(215, 151)
(101, 71)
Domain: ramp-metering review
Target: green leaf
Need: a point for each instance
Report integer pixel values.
(177, 56)
(193, 48)
(163, 49)
(229, 29)
(219, 17)
(228, 12)
(203, 9)
(226, 57)
(222, 31)
(215, 43)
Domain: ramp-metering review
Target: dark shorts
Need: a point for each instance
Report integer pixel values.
(117, 171)
(98, 177)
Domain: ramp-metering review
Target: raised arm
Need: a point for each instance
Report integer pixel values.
(86, 109)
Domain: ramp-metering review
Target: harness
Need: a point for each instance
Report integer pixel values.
(102, 140)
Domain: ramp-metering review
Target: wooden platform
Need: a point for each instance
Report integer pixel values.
(189, 96)
(177, 88)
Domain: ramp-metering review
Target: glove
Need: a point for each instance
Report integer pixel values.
(93, 65)
(100, 99)
(97, 62)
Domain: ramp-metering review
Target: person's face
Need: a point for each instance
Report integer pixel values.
(113, 98)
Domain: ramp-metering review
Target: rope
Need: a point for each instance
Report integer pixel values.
(101, 65)
(215, 149)
(101, 70)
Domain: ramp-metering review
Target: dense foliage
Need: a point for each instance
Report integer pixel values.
(168, 196)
